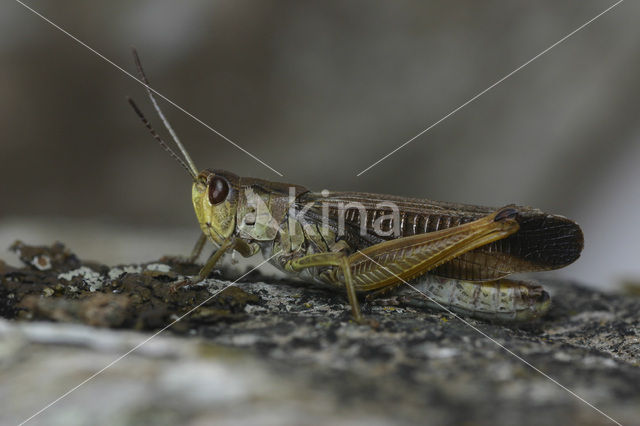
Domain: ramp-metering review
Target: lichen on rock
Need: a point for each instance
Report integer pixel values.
(305, 361)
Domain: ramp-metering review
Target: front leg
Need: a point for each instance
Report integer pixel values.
(197, 249)
(195, 253)
(230, 244)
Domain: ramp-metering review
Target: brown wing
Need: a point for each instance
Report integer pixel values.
(544, 241)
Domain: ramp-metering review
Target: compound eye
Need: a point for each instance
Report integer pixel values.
(218, 190)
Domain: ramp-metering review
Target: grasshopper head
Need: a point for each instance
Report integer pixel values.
(214, 195)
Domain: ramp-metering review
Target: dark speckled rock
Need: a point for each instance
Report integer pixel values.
(279, 353)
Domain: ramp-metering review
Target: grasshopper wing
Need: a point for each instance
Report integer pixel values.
(544, 241)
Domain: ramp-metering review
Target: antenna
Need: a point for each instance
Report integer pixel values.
(162, 143)
(187, 157)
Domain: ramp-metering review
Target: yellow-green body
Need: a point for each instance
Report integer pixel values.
(385, 242)
(271, 218)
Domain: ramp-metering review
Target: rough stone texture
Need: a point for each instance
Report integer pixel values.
(279, 353)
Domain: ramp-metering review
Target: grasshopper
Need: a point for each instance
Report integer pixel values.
(371, 243)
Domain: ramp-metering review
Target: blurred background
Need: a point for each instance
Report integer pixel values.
(320, 91)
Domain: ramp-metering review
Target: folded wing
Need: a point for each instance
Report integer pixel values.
(544, 241)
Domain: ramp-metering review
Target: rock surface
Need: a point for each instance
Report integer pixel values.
(278, 353)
